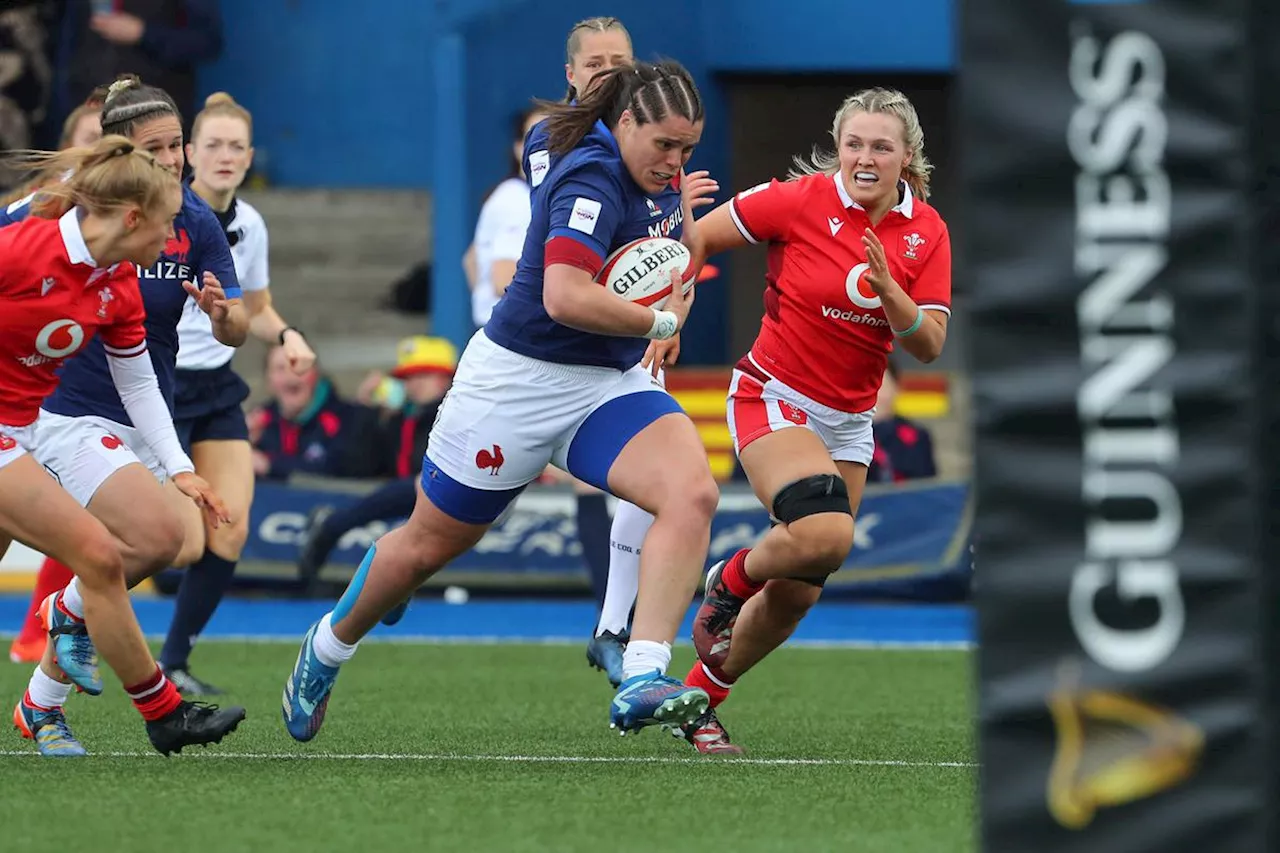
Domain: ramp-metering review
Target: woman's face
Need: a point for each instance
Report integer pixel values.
(873, 154)
(162, 138)
(597, 51)
(291, 391)
(220, 153)
(88, 130)
(147, 232)
(656, 152)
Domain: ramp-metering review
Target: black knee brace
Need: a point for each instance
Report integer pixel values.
(810, 496)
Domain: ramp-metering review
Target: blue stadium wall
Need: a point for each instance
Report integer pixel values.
(368, 94)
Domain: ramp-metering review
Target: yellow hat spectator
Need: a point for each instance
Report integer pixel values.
(424, 354)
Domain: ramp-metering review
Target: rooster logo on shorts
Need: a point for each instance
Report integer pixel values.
(491, 460)
(7, 443)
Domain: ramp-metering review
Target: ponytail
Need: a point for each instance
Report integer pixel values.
(112, 174)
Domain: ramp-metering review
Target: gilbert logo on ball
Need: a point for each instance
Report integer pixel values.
(640, 271)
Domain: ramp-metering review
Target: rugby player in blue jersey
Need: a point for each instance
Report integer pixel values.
(554, 377)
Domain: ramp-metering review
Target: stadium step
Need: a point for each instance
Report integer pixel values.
(334, 257)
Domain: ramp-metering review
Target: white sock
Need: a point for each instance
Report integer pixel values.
(47, 692)
(645, 656)
(71, 599)
(630, 525)
(329, 649)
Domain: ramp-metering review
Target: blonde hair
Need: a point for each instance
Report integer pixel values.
(112, 174)
(886, 101)
(221, 104)
(573, 44)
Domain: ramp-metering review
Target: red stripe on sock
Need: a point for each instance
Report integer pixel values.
(156, 697)
(697, 677)
(735, 578)
(53, 577)
(26, 700)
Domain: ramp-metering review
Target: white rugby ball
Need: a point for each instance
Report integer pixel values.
(640, 271)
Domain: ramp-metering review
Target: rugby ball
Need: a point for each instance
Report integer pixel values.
(640, 271)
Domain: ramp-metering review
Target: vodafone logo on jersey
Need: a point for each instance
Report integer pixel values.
(860, 292)
(58, 339)
(862, 296)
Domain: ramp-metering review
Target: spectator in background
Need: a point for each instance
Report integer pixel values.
(26, 77)
(394, 441)
(306, 427)
(904, 449)
(161, 41)
(490, 261)
(82, 129)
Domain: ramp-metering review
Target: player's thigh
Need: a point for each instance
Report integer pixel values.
(777, 442)
(852, 442)
(133, 505)
(788, 462)
(775, 460)
(37, 512)
(638, 443)
(194, 540)
(107, 468)
(855, 480)
(664, 467)
(227, 465)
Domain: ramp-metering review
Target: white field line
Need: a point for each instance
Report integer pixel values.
(521, 759)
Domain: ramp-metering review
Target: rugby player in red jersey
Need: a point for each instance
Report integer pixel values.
(67, 274)
(858, 262)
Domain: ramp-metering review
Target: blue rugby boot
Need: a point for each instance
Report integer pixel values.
(652, 698)
(306, 693)
(72, 647)
(605, 653)
(48, 728)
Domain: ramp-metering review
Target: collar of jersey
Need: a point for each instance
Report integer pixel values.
(225, 217)
(73, 239)
(604, 131)
(906, 207)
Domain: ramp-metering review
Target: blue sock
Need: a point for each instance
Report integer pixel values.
(594, 524)
(201, 590)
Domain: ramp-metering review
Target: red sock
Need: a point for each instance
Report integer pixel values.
(735, 577)
(717, 686)
(156, 697)
(53, 577)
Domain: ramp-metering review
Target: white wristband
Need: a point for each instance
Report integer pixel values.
(665, 325)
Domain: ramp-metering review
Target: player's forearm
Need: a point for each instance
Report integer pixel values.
(135, 381)
(925, 343)
(573, 299)
(267, 325)
(232, 329)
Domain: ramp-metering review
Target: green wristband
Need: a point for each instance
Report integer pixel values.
(913, 328)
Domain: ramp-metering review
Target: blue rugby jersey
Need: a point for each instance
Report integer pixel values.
(587, 196)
